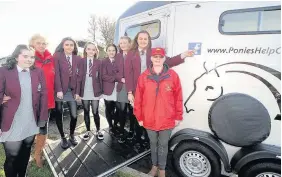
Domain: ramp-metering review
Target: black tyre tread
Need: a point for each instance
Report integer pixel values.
(212, 157)
(257, 168)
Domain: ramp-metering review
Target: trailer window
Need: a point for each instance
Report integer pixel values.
(266, 20)
(153, 28)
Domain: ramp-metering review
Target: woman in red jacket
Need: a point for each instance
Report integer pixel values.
(158, 106)
(137, 61)
(43, 60)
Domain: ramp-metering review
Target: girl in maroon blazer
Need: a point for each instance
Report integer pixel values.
(89, 86)
(24, 112)
(122, 99)
(66, 71)
(110, 79)
(137, 61)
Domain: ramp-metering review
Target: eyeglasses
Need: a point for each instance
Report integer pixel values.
(41, 43)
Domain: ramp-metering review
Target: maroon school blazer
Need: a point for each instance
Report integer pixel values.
(10, 86)
(120, 64)
(133, 67)
(62, 78)
(96, 77)
(110, 75)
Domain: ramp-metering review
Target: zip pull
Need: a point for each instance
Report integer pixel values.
(157, 89)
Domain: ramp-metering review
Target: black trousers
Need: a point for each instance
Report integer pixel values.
(17, 157)
(122, 114)
(135, 127)
(95, 111)
(110, 107)
(59, 116)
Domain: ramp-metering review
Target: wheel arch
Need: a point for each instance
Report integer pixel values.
(248, 156)
(205, 138)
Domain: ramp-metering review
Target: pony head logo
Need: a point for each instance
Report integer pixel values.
(219, 80)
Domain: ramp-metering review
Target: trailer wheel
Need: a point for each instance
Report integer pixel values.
(193, 159)
(265, 169)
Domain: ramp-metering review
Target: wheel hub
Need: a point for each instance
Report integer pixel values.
(195, 164)
(268, 174)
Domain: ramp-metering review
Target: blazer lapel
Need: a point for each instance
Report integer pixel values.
(34, 83)
(85, 67)
(16, 81)
(148, 58)
(64, 62)
(73, 64)
(137, 61)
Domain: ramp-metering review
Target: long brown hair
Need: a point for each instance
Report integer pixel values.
(60, 47)
(11, 61)
(84, 50)
(135, 41)
(112, 45)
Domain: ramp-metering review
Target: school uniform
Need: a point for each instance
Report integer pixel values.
(122, 98)
(89, 85)
(110, 79)
(89, 88)
(121, 88)
(66, 72)
(22, 115)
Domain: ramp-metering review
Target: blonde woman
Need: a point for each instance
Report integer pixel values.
(43, 60)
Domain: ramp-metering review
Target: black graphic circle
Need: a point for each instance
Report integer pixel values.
(239, 120)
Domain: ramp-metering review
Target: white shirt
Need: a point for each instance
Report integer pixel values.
(70, 58)
(112, 60)
(20, 69)
(145, 51)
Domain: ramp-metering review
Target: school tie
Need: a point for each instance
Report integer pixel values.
(90, 68)
(69, 63)
(24, 70)
(142, 52)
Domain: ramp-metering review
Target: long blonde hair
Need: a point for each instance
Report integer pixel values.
(84, 50)
(129, 41)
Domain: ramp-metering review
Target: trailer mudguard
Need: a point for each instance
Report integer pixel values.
(205, 138)
(250, 154)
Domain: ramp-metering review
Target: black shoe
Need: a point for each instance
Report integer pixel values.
(64, 143)
(113, 131)
(73, 140)
(100, 135)
(121, 139)
(145, 144)
(130, 135)
(86, 136)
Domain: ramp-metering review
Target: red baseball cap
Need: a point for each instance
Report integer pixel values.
(158, 51)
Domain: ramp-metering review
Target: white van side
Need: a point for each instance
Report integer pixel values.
(237, 51)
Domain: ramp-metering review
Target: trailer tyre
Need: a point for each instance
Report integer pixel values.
(264, 169)
(193, 159)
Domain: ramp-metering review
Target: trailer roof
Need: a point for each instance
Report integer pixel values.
(144, 6)
(139, 7)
